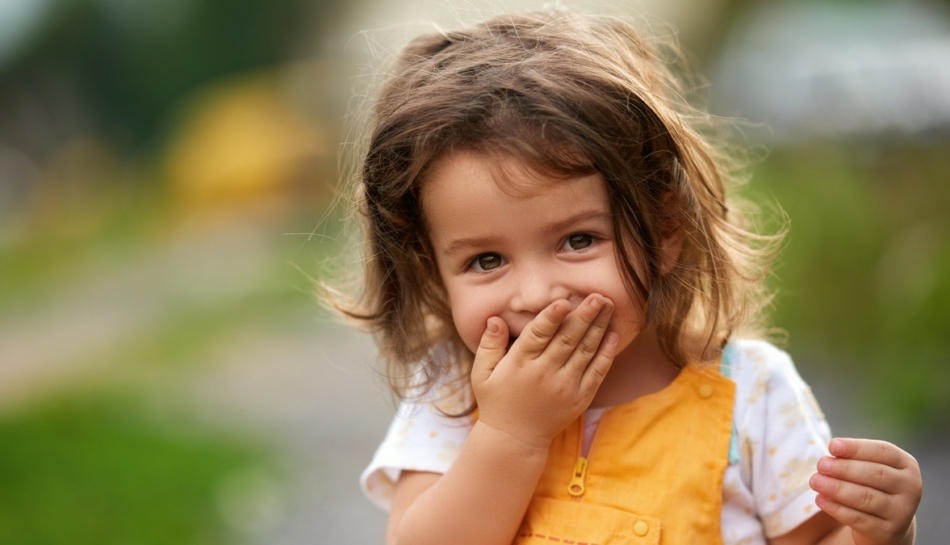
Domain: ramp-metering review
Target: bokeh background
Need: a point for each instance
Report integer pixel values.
(167, 180)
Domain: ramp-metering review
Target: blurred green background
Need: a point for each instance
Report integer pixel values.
(167, 181)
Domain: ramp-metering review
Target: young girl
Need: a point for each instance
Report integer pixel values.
(558, 281)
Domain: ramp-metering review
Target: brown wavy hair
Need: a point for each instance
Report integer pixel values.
(570, 95)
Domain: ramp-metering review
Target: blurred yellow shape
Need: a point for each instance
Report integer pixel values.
(241, 142)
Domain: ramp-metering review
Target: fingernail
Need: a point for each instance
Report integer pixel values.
(818, 481)
(493, 327)
(611, 339)
(824, 465)
(836, 446)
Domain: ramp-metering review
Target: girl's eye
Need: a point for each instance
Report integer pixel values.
(577, 242)
(487, 262)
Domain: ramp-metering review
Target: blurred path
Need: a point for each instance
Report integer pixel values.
(309, 387)
(74, 325)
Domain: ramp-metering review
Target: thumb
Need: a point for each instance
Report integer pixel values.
(491, 348)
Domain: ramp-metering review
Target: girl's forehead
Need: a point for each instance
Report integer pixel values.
(467, 189)
(513, 175)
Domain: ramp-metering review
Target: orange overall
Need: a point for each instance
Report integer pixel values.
(653, 474)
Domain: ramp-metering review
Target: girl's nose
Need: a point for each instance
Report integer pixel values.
(535, 291)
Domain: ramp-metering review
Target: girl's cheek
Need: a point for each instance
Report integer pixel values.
(471, 333)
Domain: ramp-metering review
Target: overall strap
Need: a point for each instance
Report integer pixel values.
(729, 358)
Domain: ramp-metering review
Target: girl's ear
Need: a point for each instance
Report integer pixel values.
(672, 246)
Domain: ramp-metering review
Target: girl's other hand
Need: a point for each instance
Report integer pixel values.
(550, 374)
(873, 487)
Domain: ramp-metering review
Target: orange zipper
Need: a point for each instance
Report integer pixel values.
(578, 485)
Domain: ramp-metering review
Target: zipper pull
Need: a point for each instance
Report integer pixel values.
(576, 486)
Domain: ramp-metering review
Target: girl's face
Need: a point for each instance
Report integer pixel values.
(510, 247)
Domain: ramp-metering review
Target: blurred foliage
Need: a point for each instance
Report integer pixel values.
(130, 62)
(100, 469)
(865, 274)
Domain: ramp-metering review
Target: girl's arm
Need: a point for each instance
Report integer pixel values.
(868, 492)
(525, 397)
(481, 499)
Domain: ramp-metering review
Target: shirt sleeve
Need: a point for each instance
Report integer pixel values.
(782, 434)
(421, 438)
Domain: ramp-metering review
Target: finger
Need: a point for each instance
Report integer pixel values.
(855, 496)
(870, 450)
(491, 348)
(575, 328)
(539, 332)
(858, 521)
(880, 476)
(590, 342)
(600, 364)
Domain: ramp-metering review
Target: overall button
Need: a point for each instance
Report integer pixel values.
(641, 528)
(705, 391)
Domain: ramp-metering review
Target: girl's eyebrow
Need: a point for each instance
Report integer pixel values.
(458, 244)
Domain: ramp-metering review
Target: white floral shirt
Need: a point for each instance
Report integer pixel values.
(779, 435)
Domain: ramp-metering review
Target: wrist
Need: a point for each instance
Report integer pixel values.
(523, 444)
